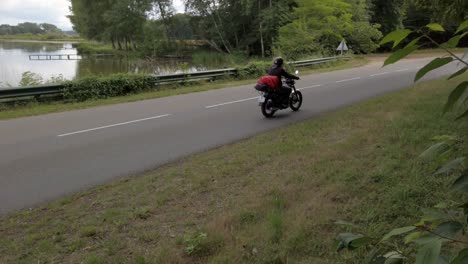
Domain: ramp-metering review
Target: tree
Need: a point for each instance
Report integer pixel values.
(388, 13)
(88, 19)
(118, 21)
(415, 16)
(181, 27)
(272, 17)
(129, 29)
(318, 26)
(449, 13)
(364, 37)
(49, 28)
(28, 27)
(250, 26)
(6, 29)
(361, 10)
(164, 10)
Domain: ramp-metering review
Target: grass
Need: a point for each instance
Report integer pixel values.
(31, 108)
(273, 198)
(90, 47)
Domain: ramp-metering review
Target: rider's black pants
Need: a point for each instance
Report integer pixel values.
(285, 92)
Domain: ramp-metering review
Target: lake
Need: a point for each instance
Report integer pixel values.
(15, 60)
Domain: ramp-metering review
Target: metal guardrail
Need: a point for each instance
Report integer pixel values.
(317, 61)
(31, 91)
(172, 78)
(162, 79)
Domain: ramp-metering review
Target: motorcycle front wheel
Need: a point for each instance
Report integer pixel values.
(268, 109)
(295, 101)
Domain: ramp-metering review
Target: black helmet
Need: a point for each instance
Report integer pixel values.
(278, 61)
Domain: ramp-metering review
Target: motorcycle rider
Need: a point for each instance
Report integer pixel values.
(277, 70)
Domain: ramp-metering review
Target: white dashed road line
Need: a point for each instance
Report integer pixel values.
(402, 70)
(114, 125)
(347, 80)
(233, 102)
(378, 74)
(309, 87)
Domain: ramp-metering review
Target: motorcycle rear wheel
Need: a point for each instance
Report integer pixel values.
(267, 107)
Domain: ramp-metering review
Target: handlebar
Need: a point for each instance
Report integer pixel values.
(290, 81)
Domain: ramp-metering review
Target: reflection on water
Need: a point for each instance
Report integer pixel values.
(14, 60)
(34, 47)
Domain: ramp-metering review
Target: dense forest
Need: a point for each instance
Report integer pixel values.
(292, 28)
(35, 31)
(29, 28)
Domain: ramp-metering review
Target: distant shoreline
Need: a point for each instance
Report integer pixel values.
(40, 41)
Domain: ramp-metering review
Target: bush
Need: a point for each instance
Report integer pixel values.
(363, 37)
(105, 87)
(94, 48)
(30, 79)
(52, 36)
(253, 69)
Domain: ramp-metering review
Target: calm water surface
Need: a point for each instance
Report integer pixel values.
(14, 61)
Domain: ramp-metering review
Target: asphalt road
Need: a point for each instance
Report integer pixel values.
(46, 157)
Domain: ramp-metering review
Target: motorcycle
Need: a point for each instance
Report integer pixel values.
(270, 101)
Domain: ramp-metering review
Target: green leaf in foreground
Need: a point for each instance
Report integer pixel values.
(461, 258)
(455, 96)
(453, 42)
(435, 151)
(400, 54)
(396, 37)
(398, 231)
(462, 27)
(425, 239)
(393, 258)
(411, 237)
(414, 42)
(436, 63)
(451, 166)
(433, 215)
(429, 253)
(458, 73)
(465, 114)
(448, 229)
(460, 183)
(436, 27)
(352, 241)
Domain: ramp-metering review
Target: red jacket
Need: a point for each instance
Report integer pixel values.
(272, 81)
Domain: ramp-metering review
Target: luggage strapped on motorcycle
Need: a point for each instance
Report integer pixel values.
(267, 82)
